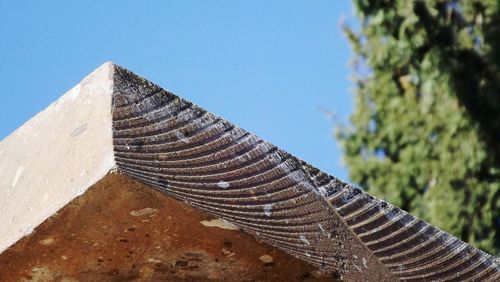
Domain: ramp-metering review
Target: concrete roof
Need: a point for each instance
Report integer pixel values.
(117, 122)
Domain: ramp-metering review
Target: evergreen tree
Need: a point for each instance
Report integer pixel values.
(425, 134)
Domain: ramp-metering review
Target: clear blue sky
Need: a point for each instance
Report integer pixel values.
(267, 66)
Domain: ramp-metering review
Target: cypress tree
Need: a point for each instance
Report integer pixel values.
(425, 133)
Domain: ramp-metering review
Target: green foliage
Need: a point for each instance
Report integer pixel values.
(425, 134)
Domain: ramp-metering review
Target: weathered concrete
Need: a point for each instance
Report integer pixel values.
(121, 230)
(180, 149)
(56, 156)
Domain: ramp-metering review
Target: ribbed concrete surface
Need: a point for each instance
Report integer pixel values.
(193, 155)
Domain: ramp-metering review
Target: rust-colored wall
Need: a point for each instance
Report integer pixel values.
(96, 238)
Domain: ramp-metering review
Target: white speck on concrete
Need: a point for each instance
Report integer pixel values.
(45, 198)
(80, 191)
(268, 209)
(19, 171)
(144, 211)
(223, 184)
(74, 92)
(322, 192)
(181, 137)
(153, 260)
(304, 239)
(79, 130)
(357, 267)
(221, 223)
(29, 230)
(266, 258)
(327, 234)
(47, 241)
(296, 176)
